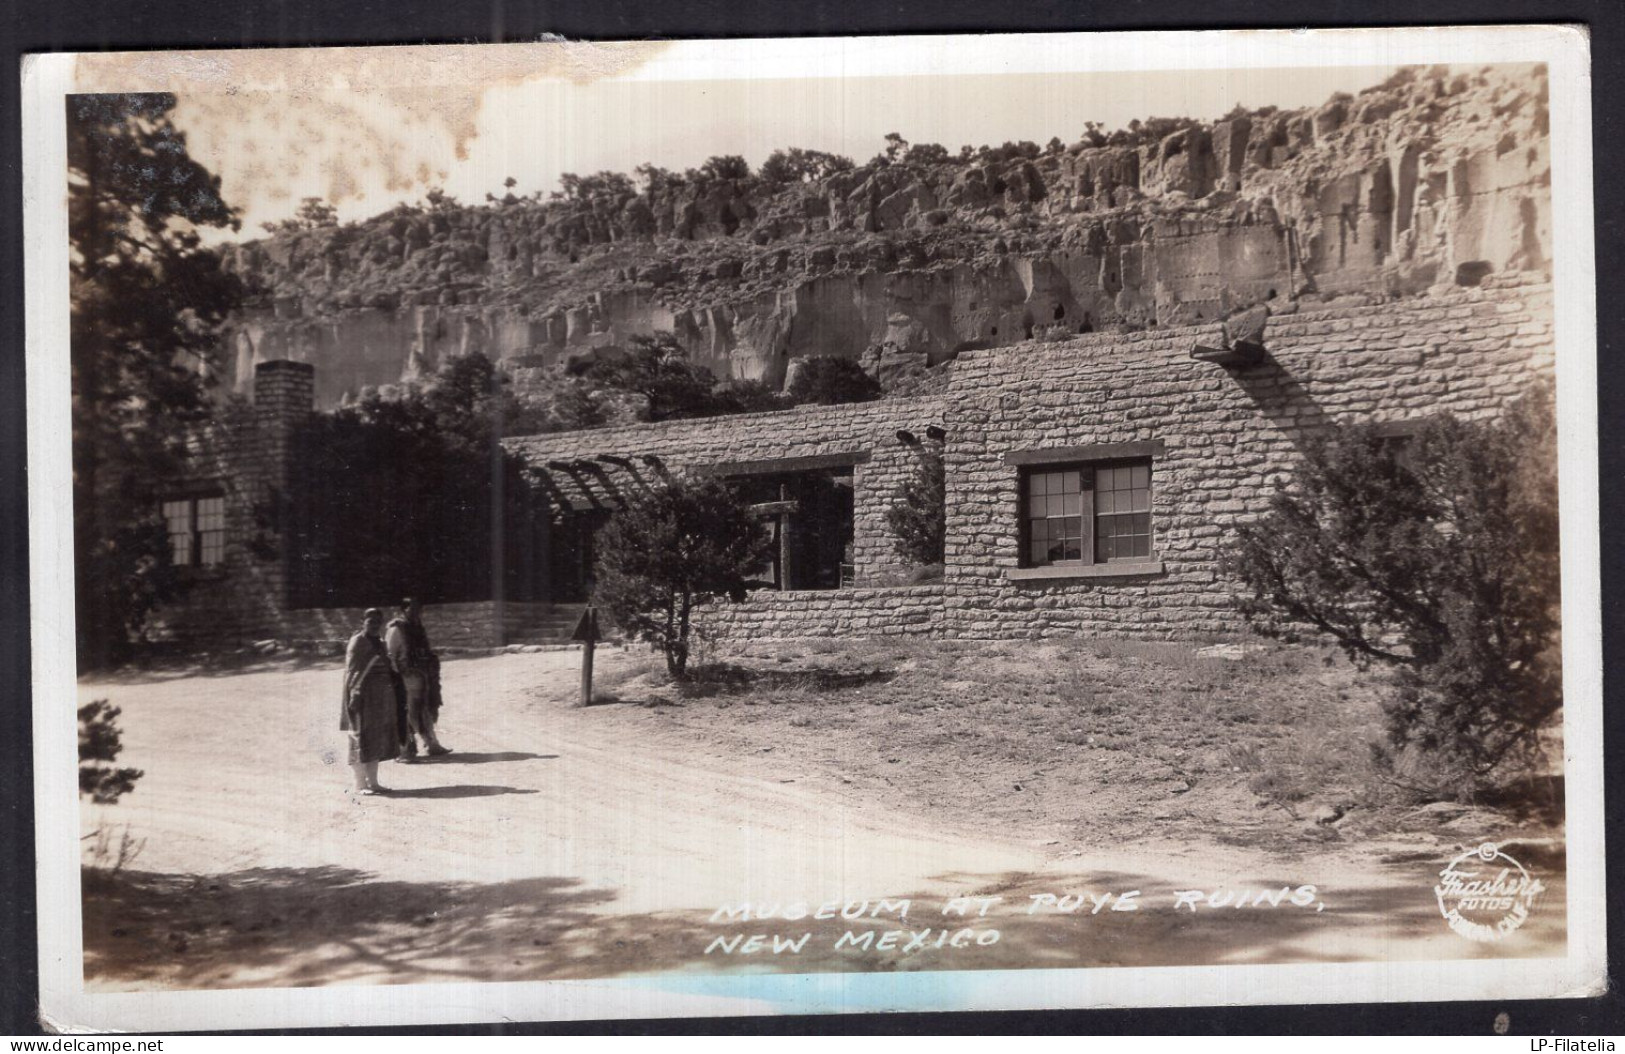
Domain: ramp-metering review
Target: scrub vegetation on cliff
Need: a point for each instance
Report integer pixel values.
(725, 233)
(902, 260)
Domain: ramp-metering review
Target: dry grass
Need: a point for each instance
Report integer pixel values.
(1085, 741)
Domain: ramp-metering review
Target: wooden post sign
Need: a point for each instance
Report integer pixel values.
(586, 632)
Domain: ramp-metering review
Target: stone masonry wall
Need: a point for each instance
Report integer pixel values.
(1231, 438)
(473, 624)
(913, 611)
(862, 428)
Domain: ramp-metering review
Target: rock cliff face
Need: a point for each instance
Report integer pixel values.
(1435, 178)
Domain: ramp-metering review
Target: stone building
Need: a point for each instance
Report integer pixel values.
(1092, 485)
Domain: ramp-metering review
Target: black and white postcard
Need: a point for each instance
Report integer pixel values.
(573, 530)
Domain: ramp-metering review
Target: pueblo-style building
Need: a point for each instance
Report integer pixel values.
(1092, 485)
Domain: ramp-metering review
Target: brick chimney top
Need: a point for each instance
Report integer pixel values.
(285, 388)
(284, 366)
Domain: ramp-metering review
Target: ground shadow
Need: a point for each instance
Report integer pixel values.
(458, 791)
(458, 757)
(730, 679)
(290, 927)
(614, 699)
(162, 663)
(722, 680)
(159, 667)
(1533, 800)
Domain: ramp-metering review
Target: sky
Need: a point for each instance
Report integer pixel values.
(366, 129)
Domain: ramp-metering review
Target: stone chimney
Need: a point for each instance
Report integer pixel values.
(284, 391)
(284, 399)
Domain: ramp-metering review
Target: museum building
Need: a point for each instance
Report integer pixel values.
(1091, 485)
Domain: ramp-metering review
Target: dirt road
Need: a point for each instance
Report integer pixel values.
(560, 841)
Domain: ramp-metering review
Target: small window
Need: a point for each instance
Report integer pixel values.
(197, 531)
(1086, 514)
(1402, 448)
(1398, 439)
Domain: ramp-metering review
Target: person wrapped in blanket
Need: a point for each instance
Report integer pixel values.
(369, 712)
(419, 670)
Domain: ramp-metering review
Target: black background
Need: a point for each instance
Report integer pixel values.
(122, 25)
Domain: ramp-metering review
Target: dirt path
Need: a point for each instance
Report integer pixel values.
(567, 842)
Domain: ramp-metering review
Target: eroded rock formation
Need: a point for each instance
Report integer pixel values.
(1435, 178)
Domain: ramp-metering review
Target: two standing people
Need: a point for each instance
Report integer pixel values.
(391, 694)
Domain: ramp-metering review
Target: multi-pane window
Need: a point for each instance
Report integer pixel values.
(1054, 516)
(197, 531)
(1087, 514)
(1123, 512)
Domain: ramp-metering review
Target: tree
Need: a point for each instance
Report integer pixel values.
(99, 746)
(437, 200)
(918, 513)
(146, 302)
(613, 186)
(798, 166)
(470, 403)
(926, 154)
(670, 550)
(559, 402)
(725, 166)
(656, 368)
(412, 495)
(656, 179)
(749, 397)
(1436, 557)
(313, 213)
(827, 379)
